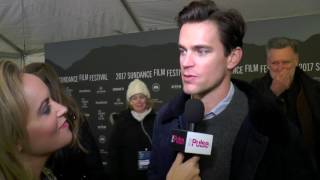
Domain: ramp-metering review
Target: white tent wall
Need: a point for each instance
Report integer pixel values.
(17, 61)
(26, 25)
(37, 57)
(8, 51)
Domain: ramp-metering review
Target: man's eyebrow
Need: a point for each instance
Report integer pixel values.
(181, 47)
(197, 47)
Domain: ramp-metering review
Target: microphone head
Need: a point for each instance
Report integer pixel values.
(193, 111)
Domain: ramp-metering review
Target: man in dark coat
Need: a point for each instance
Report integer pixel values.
(296, 93)
(251, 139)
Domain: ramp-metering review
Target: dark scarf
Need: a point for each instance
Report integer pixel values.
(305, 118)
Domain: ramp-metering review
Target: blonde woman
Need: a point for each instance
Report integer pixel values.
(82, 159)
(33, 126)
(130, 141)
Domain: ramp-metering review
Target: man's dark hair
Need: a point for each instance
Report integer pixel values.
(282, 42)
(230, 22)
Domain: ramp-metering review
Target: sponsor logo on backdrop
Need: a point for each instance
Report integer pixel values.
(102, 127)
(101, 90)
(101, 115)
(84, 91)
(157, 101)
(155, 87)
(176, 86)
(117, 89)
(118, 102)
(87, 115)
(101, 102)
(102, 139)
(68, 91)
(316, 78)
(84, 103)
(103, 151)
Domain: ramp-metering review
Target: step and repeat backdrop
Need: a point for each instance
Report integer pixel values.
(96, 72)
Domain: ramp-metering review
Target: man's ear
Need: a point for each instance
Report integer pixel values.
(234, 58)
(296, 61)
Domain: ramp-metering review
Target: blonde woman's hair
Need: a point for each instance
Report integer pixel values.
(13, 111)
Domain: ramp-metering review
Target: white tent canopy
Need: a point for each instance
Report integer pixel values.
(26, 25)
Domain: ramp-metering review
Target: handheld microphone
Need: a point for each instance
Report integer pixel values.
(193, 113)
(188, 141)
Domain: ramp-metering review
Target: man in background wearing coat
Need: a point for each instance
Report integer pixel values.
(296, 93)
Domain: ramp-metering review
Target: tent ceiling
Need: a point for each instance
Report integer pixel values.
(26, 25)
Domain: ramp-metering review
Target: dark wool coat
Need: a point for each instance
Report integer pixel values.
(73, 163)
(311, 90)
(127, 138)
(263, 149)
